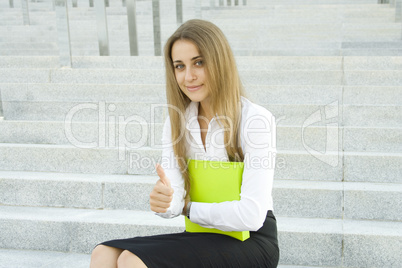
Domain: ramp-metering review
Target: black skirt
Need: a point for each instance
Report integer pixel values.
(202, 250)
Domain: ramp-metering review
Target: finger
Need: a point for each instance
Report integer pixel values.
(162, 175)
(158, 209)
(160, 197)
(159, 204)
(160, 187)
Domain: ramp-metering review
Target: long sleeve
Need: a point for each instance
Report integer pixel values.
(172, 171)
(258, 138)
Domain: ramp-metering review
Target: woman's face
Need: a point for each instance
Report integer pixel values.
(189, 70)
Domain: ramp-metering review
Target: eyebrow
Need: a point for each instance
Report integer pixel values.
(196, 57)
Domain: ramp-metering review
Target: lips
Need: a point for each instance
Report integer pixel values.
(193, 88)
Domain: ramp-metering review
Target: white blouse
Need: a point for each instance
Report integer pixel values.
(258, 141)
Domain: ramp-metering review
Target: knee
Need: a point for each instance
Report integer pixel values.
(129, 260)
(99, 251)
(104, 255)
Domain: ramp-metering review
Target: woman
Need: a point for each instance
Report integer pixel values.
(209, 119)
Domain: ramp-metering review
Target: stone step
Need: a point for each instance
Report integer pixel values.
(271, 16)
(90, 45)
(82, 29)
(259, 48)
(251, 5)
(243, 62)
(126, 159)
(126, 76)
(335, 200)
(35, 258)
(238, 52)
(153, 94)
(355, 139)
(167, 8)
(371, 139)
(295, 46)
(88, 41)
(274, 21)
(311, 2)
(148, 93)
(327, 242)
(385, 116)
(256, 77)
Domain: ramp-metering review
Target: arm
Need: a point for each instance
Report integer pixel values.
(258, 138)
(172, 172)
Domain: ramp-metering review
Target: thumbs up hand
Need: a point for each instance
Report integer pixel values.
(162, 194)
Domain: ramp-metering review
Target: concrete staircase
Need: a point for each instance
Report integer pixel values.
(73, 173)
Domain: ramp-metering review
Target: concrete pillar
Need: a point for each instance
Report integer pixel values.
(63, 32)
(229, 2)
(198, 9)
(1, 108)
(91, 3)
(179, 12)
(101, 25)
(132, 27)
(11, 3)
(398, 11)
(157, 28)
(25, 12)
(221, 3)
(75, 3)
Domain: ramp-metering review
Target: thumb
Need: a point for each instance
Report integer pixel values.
(161, 173)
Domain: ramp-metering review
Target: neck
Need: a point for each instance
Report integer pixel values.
(205, 110)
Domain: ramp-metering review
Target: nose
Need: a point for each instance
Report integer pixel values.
(190, 74)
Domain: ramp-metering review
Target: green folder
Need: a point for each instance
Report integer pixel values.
(215, 182)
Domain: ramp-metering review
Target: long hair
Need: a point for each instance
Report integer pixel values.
(225, 88)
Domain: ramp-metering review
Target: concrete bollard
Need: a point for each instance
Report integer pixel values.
(157, 28)
(63, 32)
(398, 11)
(1, 108)
(25, 12)
(132, 27)
(179, 12)
(197, 8)
(101, 25)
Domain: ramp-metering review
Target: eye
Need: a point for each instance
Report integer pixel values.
(179, 66)
(199, 62)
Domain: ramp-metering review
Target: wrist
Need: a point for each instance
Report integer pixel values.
(187, 208)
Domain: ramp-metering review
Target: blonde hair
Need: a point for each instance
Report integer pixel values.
(225, 88)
